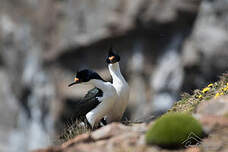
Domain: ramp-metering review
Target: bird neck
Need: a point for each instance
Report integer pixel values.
(114, 70)
(99, 84)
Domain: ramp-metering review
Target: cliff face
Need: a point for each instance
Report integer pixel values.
(209, 106)
(166, 47)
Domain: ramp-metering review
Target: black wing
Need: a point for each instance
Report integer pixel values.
(88, 103)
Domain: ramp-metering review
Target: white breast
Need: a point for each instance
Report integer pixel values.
(106, 105)
(120, 104)
(122, 89)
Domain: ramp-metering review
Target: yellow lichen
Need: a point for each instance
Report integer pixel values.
(205, 90)
(217, 95)
(200, 96)
(210, 85)
(225, 89)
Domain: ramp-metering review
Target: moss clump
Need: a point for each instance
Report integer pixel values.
(226, 115)
(172, 130)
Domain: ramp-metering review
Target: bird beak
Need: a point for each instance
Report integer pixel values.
(76, 80)
(111, 58)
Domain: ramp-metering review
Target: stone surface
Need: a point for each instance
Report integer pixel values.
(117, 137)
(84, 138)
(207, 43)
(193, 149)
(109, 131)
(8, 111)
(218, 135)
(218, 107)
(43, 43)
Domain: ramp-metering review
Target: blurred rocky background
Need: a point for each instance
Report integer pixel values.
(166, 48)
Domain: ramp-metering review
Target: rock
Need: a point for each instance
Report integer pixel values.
(65, 35)
(193, 149)
(109, 138)
(214, 120)
(109, 131)
(84, 138)
(117, 137)
(84, 23)
(218, 107)
(209, 28)
(8, 111)
(51, 149)
(218, 137)
(210, 122)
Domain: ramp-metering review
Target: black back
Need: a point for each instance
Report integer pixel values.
(88, 103)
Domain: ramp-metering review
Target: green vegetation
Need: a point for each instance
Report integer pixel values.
(188, 103)
(226, 115)
(173, 129)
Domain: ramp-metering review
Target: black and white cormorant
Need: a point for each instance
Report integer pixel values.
(120, 85)
(99, 101)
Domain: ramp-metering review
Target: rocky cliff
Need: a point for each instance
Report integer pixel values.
(211, 110)
(166, 47)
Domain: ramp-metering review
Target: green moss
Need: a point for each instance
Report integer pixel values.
(173, 129)
(226, 115)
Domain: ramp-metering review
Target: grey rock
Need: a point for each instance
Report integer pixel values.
(218, 107)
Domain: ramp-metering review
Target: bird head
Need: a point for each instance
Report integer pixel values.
(85, 76)
(112, 57)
